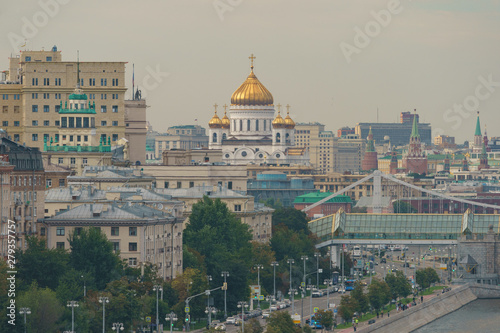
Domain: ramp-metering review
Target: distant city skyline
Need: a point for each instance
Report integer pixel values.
(333, 62)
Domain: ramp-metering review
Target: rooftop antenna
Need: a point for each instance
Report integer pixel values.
(133, 74)
(78, 69)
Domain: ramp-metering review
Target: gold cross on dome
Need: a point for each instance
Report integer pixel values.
(279, 107)
(215, 106)
(225, 107)
(251, 60)
(288, 108)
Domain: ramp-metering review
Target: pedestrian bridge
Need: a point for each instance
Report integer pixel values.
(407, 229)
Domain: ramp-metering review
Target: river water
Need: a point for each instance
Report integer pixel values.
(478, 317)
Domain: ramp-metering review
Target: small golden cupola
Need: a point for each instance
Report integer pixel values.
(225, 120)
(252, 92)
(289, 123)
(278, 122)
(215, 122)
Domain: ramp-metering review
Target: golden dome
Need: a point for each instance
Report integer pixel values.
(215, 122)
(278, 122)
(289, 123)
(252, 92)
(225, 121)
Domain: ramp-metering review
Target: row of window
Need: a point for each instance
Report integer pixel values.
(34, 137)
(5, 108)
(57, 82)
(46, 108)
(6, 96)
(115, 231)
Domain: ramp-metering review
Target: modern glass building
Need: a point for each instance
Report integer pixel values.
(340, 227)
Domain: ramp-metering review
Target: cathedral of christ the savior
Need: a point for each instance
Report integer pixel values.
(252, 132)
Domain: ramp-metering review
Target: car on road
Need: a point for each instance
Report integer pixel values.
(230, 320)
(383, 261)
(317, 293)
(273, 307)
(266, 314)
(220, 327)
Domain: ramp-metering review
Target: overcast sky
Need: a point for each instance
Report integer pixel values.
(334, 62)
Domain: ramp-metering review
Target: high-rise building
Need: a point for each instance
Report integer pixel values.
(37, 81)
(397, 133)
(305, 132)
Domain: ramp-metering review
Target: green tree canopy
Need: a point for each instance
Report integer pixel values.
(46, 310)
(363, 303)
(398, 284)
(291, 218)
(92, 253)
(425, 277)
(379, 294)
(224, 242)
(347, 307)
(281, 322)
(40, 264)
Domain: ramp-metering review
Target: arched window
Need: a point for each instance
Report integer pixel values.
(248, 124)
(257, 125)
(278, 138)
(224, 136)
(241, 125)
(287, 138)
(265, 124)
(214, 138)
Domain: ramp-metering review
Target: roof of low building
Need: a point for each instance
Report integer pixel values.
(317, 196)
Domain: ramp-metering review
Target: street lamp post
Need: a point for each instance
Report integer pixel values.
(242, 305)
(274, 264)
(84, 286)
(171, 317)
(258, 266)
(328, 282)
(103, 300)
(291, 262)
(209, 310)
(117, 327)
(317, 255)
(304, 259)
(72, 305)
(293, 292)
(310, 287)
(225, 275)
(157, 288)
(25, 311)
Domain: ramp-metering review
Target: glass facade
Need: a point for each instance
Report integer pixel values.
(402, 226)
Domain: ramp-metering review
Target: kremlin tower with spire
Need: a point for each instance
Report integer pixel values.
(415, 161)
(370, 161)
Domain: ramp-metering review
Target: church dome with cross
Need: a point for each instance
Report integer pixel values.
(251, 130)
(252, 91)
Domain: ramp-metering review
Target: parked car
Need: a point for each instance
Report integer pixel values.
(317, 293)
(220, 327)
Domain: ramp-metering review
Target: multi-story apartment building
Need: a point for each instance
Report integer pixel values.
(233, 177)
(186, 137)
(331, 154)
(140, 233)
(305, 132)
(27, 189)
(37, 81)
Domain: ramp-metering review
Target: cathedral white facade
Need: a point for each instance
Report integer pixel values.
(251, 132)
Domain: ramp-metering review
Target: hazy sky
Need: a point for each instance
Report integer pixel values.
(334, 62)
